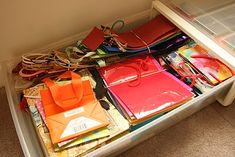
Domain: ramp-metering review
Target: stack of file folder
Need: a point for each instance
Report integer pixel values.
(143, 89)
(155, 36)
(146, 36)
(106, 123)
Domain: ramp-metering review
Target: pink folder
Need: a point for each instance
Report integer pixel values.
(144, 92)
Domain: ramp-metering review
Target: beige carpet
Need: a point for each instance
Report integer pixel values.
(9, 143)
(208, 133)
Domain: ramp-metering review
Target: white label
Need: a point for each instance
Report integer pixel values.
(78, 125)
(73, 112)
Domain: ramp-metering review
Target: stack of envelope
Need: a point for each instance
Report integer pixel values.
(90, 114)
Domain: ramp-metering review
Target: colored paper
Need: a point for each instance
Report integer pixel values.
(214, 70)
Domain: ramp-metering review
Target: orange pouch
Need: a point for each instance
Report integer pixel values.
(60, 98)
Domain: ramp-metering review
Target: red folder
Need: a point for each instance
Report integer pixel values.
(144, 92)
(94, 39)
(149, 33)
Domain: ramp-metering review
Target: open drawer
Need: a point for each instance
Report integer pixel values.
(204, 23)
(209, 37)
(31, 143)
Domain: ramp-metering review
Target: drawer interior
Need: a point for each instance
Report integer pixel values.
(32, 145)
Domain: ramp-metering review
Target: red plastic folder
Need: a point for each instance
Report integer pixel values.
(144, 90)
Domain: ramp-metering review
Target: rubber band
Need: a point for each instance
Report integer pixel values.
(141, 40)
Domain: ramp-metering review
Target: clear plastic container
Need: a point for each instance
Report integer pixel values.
(219, 22)
(194, 8)
(209, 22)
(229, 41)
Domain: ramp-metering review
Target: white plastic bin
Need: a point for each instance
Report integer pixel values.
(31, 143)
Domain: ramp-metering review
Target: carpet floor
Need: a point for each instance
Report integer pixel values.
(208, 133)
(9, 143)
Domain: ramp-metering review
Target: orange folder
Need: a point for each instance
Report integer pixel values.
(76, 122)
(59, 98)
